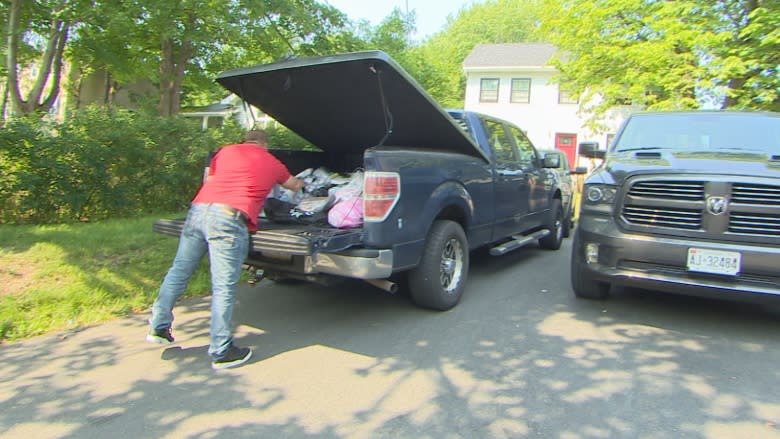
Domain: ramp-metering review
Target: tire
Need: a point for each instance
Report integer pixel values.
(440, 278)
(555, 226)
(583, 284)
(567, 224)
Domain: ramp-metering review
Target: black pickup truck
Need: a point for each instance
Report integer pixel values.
(437, 184)
(684, 202)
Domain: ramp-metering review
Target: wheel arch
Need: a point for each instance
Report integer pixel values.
(450, 201)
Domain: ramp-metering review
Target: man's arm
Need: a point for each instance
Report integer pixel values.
(207, 171)
(293, 183)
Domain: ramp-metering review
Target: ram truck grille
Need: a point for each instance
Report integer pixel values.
(673, 190)
(755, 194)
(663, 217)
(688, 206)
(754, 224)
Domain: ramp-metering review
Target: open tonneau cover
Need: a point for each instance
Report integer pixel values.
(349, 102)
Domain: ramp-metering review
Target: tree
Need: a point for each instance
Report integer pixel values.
(664, 54)
(182, 45)
(747, 65)
(392, 34)
(42, 28)
(439, 60)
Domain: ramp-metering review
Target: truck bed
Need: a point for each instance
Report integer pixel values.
(288, 239)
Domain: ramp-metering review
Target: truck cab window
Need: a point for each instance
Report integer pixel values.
(524, 147)
(503, 148)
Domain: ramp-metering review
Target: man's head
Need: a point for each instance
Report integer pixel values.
(258, 137)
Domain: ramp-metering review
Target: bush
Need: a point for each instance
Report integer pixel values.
(280, 137)
(101, 163)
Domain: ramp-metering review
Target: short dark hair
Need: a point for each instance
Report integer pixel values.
(256, 136)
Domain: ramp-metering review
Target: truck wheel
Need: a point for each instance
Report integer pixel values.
(555, 226)
(438, 281)
(567, 225)
(583, 283)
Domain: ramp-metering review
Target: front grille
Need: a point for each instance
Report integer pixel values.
(663, 217)
(677, 190)
(675, 204)
(754, 224)
(752, 209)
(755, 194)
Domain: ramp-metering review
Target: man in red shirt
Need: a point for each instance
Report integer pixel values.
(219, 221)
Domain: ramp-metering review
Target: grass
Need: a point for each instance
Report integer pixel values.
(62, 277)
(65, 276)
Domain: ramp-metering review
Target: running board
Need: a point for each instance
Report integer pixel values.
(517, 242)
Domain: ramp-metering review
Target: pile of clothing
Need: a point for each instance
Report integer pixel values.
(328, 198)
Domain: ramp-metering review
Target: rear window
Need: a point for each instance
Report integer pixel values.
(461, 122)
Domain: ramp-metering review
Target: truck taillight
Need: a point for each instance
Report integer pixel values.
(381, 190)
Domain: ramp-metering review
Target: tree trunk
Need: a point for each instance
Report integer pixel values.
(166, 80)
(56, 65)
(735, 85)
(174, 63)
(181, 64)
(12, 44)
(4, 106)
(50, 63)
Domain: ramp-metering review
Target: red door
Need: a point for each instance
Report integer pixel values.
(568, 144)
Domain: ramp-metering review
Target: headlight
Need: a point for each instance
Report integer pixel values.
(600, 194)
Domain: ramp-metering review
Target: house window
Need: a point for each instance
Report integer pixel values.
(488, 90)
(565, 97)
(214, 121)
(521, 91)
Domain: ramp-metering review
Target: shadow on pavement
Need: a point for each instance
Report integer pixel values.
(519, 357)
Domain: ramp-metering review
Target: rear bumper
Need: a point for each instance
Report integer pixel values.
(357, 263)
(293, 251)
(658, 262)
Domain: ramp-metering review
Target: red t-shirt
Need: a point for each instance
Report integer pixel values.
(241, 176)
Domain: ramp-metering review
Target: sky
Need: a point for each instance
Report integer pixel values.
(431, 15)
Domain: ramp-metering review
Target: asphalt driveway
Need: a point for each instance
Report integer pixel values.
(519, 357)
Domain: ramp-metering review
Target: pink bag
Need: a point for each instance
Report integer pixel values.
(346, 213)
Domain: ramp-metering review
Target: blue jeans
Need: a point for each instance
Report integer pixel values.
(212, 229)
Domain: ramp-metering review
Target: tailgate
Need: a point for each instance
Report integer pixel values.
(298, 239)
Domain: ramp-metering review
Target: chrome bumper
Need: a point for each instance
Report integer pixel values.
(356, 263)
(359, 264)
(658, 262)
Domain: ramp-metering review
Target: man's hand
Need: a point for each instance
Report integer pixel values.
(293, 183)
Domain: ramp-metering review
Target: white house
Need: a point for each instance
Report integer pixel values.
(514, 82)
(214, 115)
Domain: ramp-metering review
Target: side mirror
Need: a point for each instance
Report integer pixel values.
(580, 170)
(552, 160)
(591, 150)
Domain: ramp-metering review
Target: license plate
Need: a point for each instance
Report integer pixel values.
(714, 261)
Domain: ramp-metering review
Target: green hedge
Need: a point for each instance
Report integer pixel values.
(105, 163)
(98, 164)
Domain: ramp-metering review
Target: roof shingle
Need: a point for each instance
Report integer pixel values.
(510, 55)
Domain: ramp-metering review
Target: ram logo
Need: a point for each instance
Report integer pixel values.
(716, 205)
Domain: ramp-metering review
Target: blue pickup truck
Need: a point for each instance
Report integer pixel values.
(437, 184)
